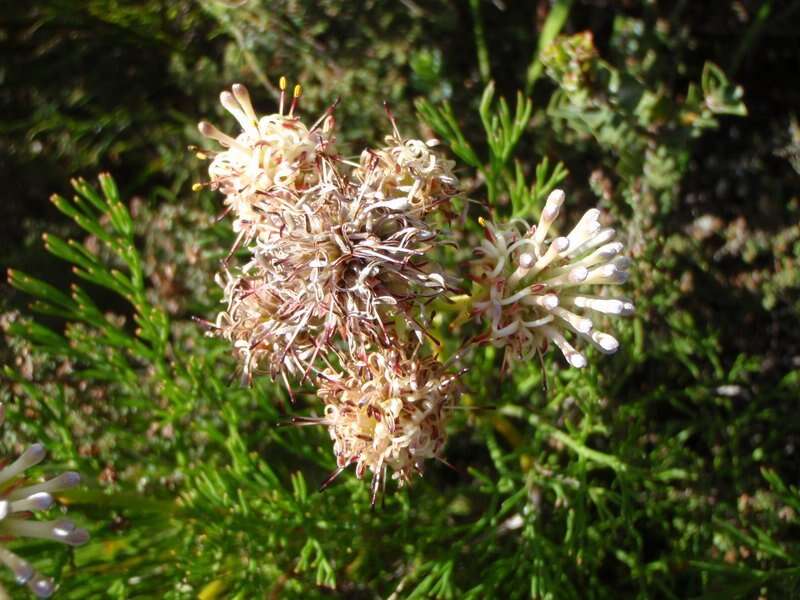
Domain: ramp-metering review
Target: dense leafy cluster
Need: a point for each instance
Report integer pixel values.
(665, 470)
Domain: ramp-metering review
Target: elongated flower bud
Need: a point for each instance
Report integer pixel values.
(16, 504)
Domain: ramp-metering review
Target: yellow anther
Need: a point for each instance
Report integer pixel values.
(482, 221)
(196, 187)
(298, 90)
(282, 83)
(201, 156)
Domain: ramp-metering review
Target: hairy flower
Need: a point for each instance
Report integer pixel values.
(408, 170)
(17, 501)
(338, 252)
(273, 154)
(334, 264)
(532, 290)
(261, 338)
(387, 411)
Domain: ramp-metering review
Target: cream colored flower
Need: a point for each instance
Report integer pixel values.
(348, 262)
(333, 268)
(408, 170)
(387, 412)
(273, 155)
(261, 338)
(535, 290)
(17, 501)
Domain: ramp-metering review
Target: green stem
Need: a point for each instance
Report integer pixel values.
(479, 34)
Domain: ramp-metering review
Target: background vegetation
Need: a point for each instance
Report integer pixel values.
(666, 471)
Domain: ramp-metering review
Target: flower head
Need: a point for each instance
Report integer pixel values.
(338, 252)
(260, 338)
(408, 170)
(532, 288)
(18, 500)
(387, 411)
(335, 265)
(273, 155)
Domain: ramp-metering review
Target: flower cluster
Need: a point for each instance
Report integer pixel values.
(337, 252)
(530, 288)
(339, 260)
(17, 501)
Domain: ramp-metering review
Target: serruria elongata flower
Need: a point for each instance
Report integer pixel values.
(273, 154)
(407, 170)
(534, 288)
(338, 251)
(18, 499)
(335, 264)
(262, 340)
(347, 263)
(385, 413)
